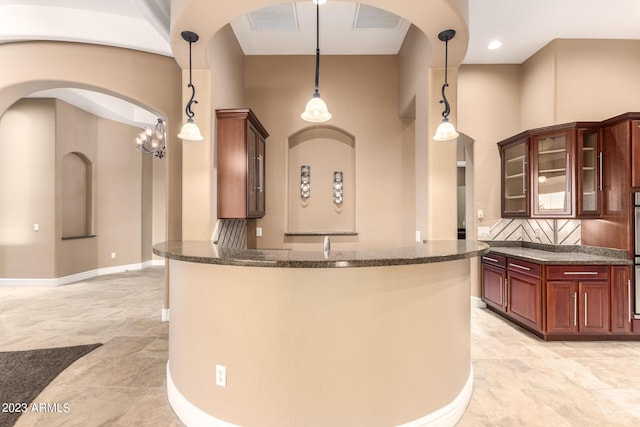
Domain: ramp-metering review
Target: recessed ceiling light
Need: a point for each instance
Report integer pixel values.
(495, 44)
(319, 1)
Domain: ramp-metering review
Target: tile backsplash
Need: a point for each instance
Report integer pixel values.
(547, 231)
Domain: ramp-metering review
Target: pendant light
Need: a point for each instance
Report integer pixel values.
(316, 110)
(190, 131)
(446, 131)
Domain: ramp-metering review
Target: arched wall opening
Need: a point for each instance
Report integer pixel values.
(321, 151)
(48, 65)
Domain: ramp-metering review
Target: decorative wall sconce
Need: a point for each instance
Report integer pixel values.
(446, 131)
(190, 131)
(337, 187)
(153, 141)
(305, 181)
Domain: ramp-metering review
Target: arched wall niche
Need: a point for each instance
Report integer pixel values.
(324, 150)
(77, 196)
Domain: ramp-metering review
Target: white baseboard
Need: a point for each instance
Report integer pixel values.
(189, 414)
(449, 415)
(477, 302)
(192, 416)
(72, 278)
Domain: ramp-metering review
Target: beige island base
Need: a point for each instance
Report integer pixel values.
(359, 339)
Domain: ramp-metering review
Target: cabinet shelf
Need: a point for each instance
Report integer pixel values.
(514, 197)
(518, 175)
(543, 171)
(515, 159)
(556, 151)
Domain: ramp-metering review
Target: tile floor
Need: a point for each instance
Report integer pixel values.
(519, 380)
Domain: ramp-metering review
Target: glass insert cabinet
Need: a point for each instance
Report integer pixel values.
(552, 172)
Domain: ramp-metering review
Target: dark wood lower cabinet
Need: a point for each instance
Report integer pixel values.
(621, 300)
(563, 301)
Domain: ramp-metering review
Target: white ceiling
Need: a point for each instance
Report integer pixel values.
(524, 26)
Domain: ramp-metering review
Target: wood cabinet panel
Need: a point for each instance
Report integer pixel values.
(594, 307)
(621, 300)
(577, 272)
(524, 294)
(241, 164)
(635, 153)
(493, 289)
(562, 308)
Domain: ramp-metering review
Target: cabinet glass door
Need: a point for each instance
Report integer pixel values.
(551, 175)
(515, 176)
(589, 168)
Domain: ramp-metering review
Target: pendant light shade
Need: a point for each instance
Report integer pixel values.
(316, 110)
(446, 131)
(190, 131)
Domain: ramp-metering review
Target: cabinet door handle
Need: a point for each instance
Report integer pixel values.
(522, 267)
(575, 309)
(600, 161)
(506, 292)
(585, 309)
(501, 297)
(524, 176)
(489, 259)
(569, 273)
(629, 297)
(260, 173)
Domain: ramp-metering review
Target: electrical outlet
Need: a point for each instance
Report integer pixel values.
(113, 255)
(418, 237)
(221, 375)
(258, 231)
(537, 232)
(36, 227)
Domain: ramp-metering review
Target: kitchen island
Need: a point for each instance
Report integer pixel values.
(375, 338)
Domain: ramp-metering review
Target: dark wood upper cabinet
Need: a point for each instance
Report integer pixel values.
(553, 177)
(552, 172)
(589, 167)
(241, 164)
(514, 156)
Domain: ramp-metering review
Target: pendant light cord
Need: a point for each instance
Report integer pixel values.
(317, 48)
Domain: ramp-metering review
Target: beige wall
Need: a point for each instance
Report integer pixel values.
(567, 80)
(46, 65)
(361, 93)
(34, 195)
(488, 111)
(27, 190)
(119, 195)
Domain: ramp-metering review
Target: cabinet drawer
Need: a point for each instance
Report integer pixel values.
(578, 272)
(524, 267)
(497, 260)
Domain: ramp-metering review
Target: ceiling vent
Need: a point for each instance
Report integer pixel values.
(372, 18)
(279, 18)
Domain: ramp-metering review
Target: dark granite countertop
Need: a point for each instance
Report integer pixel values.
(207, 253)
(556, 254)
